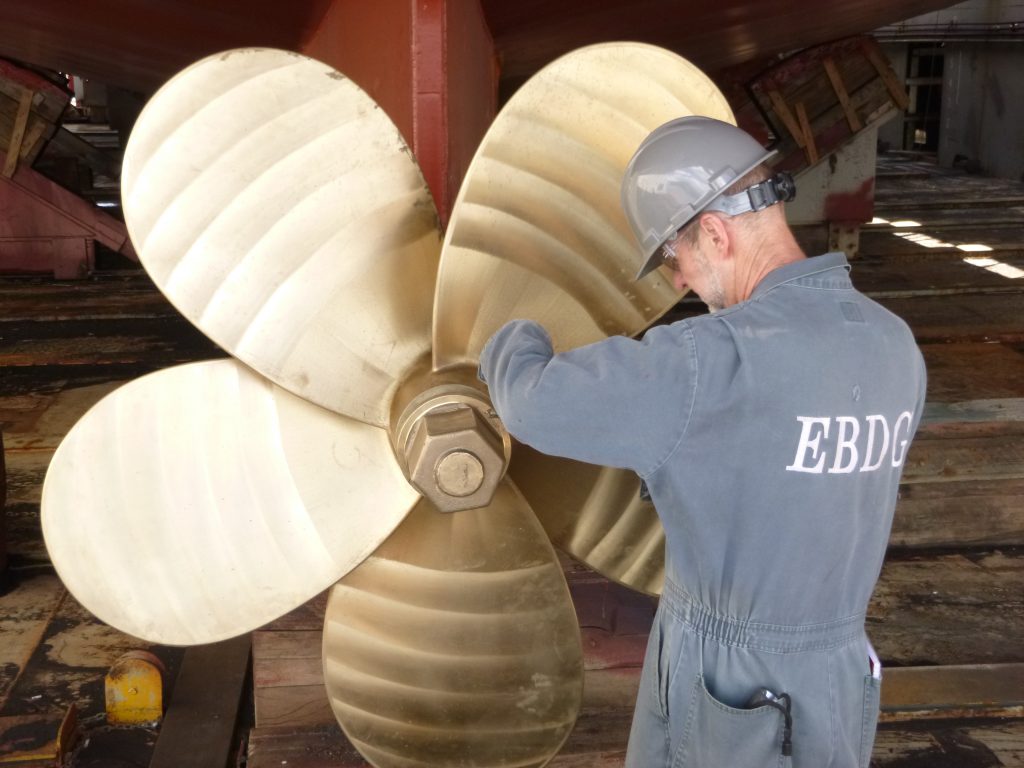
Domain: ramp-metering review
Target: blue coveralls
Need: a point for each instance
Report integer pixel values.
(771, 436)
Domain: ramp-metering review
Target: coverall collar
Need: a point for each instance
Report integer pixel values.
(812, 271)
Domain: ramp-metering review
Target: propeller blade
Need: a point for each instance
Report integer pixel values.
(596, 515)
(537, 230)
(201, 501)
(279, 209)
(456, 643)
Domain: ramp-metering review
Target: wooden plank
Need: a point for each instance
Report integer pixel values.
(302, 644)
(949, 745)
(949, 609)
(14, 79)
(291, 747)
(930, 272)
(50, 418)
(943, 189)
(984, 318)
(278, 673)
(126, 299)
(840, 90)
(23, 536)
(308, 616)
(292, 706)
(805, 128)
(312, 733)
(601, 733)
(111, 342)
(781, 108)
(974, 411)
(943, 460)
(975, 690)
(599, 739)
(25, 473)
(18, 133)
(25, 611)
(986, 513)
(33, 136)
(881, 65)
(198, 730)
(959, 372)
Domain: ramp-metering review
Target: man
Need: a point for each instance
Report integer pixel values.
(771, 435)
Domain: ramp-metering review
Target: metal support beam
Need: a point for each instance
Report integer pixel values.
(431, 66)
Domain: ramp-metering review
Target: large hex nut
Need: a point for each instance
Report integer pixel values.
(455, 458)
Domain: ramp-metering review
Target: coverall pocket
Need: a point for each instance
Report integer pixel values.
(872, 698)
(718, 735)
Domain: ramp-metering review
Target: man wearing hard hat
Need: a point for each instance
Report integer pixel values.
(771, 434)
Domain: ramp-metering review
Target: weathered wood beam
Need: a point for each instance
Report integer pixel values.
(844, 98)
(949, 608)
(975, 690)
(17, 133)
(949, 744)
(198, 730)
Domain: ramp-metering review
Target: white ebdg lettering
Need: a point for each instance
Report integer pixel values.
(846, 446)
(808, 444)
(905, 416)
(814, 429)
(873, 420)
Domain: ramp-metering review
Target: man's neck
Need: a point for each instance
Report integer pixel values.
(761, 258)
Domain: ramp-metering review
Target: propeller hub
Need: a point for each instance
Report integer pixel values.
(453, 447)
(459, 474)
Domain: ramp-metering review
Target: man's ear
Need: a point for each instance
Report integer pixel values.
(716, 233)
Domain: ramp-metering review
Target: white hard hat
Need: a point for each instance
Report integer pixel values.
(678, 171)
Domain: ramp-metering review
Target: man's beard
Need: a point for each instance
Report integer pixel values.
(715, 298)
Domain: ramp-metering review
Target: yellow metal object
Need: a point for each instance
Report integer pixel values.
(280, 210)
(538, 230)
(134, 690)
(596, 515)
(239, 500)
(456, 642)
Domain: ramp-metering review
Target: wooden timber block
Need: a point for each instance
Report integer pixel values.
(199, 728)
(976, 690)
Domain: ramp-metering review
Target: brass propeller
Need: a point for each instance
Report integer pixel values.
(456, 642)
(596, 515)
(279, 209)
(200, 502)
(538, 213)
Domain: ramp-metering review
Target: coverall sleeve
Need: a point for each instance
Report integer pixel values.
(618, 402)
